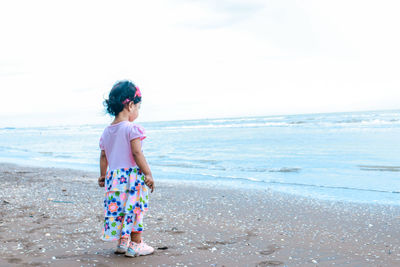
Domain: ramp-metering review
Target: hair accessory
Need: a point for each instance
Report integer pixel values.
(138, 93)
(126, 101)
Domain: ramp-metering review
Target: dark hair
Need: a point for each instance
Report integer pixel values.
(121, 91)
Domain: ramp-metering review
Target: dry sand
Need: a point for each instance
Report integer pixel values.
(53, 217)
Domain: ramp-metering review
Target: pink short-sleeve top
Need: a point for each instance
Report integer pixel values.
(116, 142)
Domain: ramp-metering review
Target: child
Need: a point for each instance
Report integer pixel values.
(128, 175)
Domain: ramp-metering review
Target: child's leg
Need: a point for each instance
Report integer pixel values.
(137, 246)
(123, 243)
(136, 237)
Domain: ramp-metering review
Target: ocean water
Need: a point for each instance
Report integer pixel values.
(335, 156)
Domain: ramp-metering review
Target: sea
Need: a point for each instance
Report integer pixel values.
(351, 156)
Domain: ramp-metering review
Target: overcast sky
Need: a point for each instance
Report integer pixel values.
(197, 59)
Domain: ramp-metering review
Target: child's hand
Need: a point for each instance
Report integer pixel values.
(101, 181)
(148, 179)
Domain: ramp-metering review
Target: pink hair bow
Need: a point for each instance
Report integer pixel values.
(138, 93)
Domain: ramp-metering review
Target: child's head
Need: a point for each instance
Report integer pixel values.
(124, 97)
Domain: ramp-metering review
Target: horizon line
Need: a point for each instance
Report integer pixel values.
(211, 118)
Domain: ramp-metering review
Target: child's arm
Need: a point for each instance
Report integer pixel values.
(103, 168)
(140, 160)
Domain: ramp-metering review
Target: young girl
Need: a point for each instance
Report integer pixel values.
(128, 175)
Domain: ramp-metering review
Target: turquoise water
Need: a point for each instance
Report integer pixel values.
(335, 156)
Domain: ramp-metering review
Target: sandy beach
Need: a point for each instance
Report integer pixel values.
(53, 217)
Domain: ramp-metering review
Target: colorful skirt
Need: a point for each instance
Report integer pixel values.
(126, 201)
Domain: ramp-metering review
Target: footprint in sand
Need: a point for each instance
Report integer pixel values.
(173, 230)
(214, 243)
(270, 249)
(269, 263)
(204, 247)
(36, 264)
(209, 244)
(14, 260)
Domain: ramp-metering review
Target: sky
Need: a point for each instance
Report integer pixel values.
(196, 59)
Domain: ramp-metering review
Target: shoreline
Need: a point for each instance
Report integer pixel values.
(54, 216)
(228, 185)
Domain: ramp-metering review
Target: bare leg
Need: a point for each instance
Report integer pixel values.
(136, 237)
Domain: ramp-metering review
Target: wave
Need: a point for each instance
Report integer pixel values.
(297, 122)
(350, 121)
(283, 169)
(172, 158)
(189, 166)
(209, 164)
(41, 155)
(252, 179)
(208, 161)
(379, 168)
(13, 149)
(235, 125)
(335, 187)
(291, 123)
(46, 153)
(56, 155)
(248, 169)
(180, 165)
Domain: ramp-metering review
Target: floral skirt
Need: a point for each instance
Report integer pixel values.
(126, 201)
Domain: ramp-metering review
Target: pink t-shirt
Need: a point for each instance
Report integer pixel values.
(116, 142)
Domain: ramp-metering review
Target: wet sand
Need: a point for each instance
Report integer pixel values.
(53, 217)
